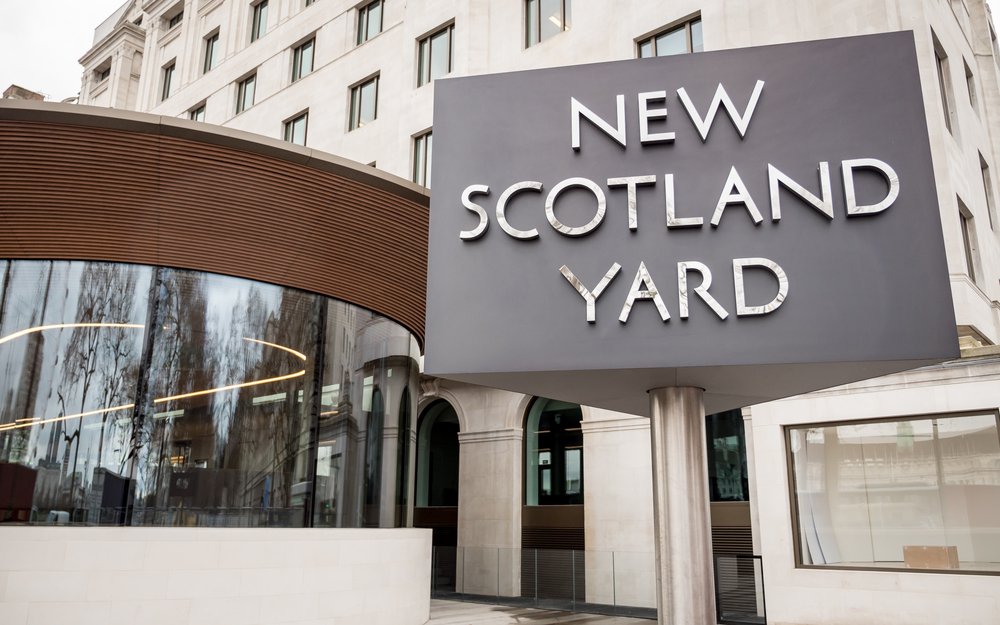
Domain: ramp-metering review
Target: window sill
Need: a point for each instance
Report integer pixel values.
(171, 34)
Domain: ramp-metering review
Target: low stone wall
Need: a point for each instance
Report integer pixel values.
(194, 576)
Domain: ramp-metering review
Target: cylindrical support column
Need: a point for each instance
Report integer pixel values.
(685, 581)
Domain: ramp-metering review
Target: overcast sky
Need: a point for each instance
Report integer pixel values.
(41, 41)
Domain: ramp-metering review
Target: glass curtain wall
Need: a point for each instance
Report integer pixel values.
(918, 493)
(142, 395)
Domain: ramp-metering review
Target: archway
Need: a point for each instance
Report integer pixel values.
(552, 515)
(436, 496)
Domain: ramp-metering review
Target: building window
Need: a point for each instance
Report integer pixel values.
(422, 146)
(245, 93)
(553, 454)
(970, 84)
(295, 128)
(544, 18)
(369, 21)
(364, 103)
(197, 113)
(728, 479)
(103, 71)
(944, 84)
(679, 39)
(211, 52)
(258, 21)
(308, 2)
(914, 493)
(175, 18)
(437, 456)
(302, 59)
(988, 190)
(436, 55)
(968, 239)
(166, 84)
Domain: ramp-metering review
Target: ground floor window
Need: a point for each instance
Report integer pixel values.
(728, 478)
(918, 493)
(553, 454)
(437, 456)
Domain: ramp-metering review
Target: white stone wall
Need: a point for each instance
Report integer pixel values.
(205, 576)
(618, 510)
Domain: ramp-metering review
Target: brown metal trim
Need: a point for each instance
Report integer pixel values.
(565, 516)
(895, 569)
(78, 183)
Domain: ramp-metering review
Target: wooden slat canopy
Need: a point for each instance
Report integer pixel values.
(82, 183)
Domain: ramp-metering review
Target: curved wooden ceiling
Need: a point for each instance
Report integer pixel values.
(84, 183)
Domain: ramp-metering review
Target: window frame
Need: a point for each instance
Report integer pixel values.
(945, 87)
(167, 78)
(354, 106)
(210, 51)
(175, 19)
(686, 24)
(102, 72)
(533, 8)
(537, 407)
(422, 145)
(425, 43)
(288, 127)
(195, 110)
(362, 23)
(970, 86)
(297, 73)
(792, 480)
(241, 85)
(984, 170)
(258, 20)
(970, 242)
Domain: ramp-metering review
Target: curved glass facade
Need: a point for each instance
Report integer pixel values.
(137, 395)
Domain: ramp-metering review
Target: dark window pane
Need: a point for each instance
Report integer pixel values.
(728, 479)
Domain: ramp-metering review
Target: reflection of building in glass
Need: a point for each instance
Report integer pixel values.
(168, 397)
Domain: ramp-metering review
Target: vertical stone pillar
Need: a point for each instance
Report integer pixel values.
(489, 512)
(685, 582)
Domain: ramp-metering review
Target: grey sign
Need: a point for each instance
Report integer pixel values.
(759, 223)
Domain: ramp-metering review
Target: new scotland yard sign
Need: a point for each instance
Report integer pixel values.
(758, 222)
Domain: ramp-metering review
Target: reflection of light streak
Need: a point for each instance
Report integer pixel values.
(30, 421)
(230, 387)
(276, 346)
(329, 412)
(37, 421)
(58, 326)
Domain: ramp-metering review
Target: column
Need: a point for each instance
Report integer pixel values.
(685, 584)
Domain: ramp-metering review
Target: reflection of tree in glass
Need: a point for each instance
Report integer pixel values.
(100, 359)
(177, 365)
(259, 442)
